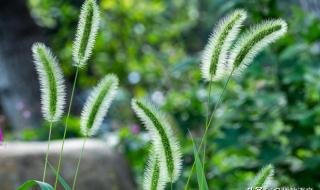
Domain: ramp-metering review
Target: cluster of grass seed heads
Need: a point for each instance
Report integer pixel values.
(97, 104)
(214, 58)
(86, 33)
(153, 175)
(263, 178)
(51, 82)
(253, 41)
(164, 142)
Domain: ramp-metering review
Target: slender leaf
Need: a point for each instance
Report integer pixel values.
(202, 182)
(33, 183)
(60, 179)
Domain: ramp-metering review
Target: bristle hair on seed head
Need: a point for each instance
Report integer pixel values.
(86, 33)
(153, 174)
(164, 142)
(52, 85)
(97, 105)
(214, 57)
(263, 179)
(254, 41)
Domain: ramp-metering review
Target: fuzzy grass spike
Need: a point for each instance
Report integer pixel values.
(164, 142)
(254, 41)
(51, 82)
(263, 178)
(86, 33)
(97, 104)
(153, 175)
(214, 59)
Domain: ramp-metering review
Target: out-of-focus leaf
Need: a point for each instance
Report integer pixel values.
(33, 183)
(202, 182)
(293, 51)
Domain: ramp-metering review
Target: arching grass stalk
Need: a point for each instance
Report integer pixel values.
(52, 89)
(94, 111)
(214, 58)
(66, 127)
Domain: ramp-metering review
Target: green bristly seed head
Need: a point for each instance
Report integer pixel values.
(214, 59)
(97, 104)
(153, 176)
(86, 33)
(164, 142)
(51, 81)
(263, 178)
(253, 41)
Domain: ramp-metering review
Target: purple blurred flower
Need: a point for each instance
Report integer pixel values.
(135, 129)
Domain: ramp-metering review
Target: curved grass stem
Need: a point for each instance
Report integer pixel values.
(78, 165)
(66, 126)
(208, 125)
(47, 153)
(207, 118)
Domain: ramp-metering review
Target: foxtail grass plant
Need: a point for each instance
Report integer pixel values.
(263, 179)
(214, 58)
(52, 89)
(239, 56)
(82, 49)
(94, 111)
(165, 144)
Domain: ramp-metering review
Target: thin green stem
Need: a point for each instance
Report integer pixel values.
(219, 101)
(208, 125)
(78, 165)
(207, 118)
(47, 153)
(66, 126)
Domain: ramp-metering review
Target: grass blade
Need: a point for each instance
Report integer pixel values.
(202, 182)
(60, 179)
(32, 183)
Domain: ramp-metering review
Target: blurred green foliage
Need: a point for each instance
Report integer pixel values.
(269, 115)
